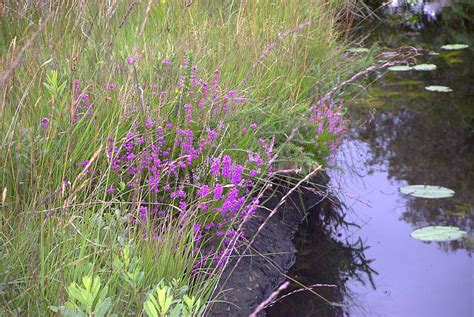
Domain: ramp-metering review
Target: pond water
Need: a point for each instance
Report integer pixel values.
(412, 136)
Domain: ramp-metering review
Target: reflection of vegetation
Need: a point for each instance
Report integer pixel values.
(322, 259)
(427, 137)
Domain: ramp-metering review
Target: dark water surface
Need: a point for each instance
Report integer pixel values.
(414, 137)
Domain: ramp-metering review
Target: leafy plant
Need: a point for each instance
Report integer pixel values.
(129, 268)
(53, 85)
(168, 300)
(89, 300)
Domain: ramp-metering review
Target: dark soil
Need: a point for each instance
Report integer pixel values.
(243, 287)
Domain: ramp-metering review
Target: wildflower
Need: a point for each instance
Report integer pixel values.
(215, 167)
(143, 212)
(166, 61)
(217, 192)
(204, 190)
(110, 86)
(131, 60)
(44, 123)
(110, 190)
(226, 167)
(149, 124)
(237, 174)
(253, 126)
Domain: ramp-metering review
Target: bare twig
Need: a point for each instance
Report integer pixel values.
(270, 298)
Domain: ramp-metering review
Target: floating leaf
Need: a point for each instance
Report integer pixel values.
(358, 50)
(427, 191)
(425, 67)
(452, 47)
(400, 68)
(438, 233)
(438, 88)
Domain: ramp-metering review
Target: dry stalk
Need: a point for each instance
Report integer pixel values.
(270, 298)
(271, 46)
(19, 58)
(147, 12)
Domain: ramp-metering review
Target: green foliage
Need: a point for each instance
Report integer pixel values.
(88, 300)
(129, 268)
(53, 85)
(168, 300)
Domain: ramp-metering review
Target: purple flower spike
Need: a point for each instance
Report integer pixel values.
(44, 123)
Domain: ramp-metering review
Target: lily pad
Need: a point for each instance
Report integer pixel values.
(400, 68)
(438, 233)
(452, 47)
(438, 88)
(427, 191)
(358, 50)
(425, 67)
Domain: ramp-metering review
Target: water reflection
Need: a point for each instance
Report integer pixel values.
(420, 7)
(427, 138)
(322, 259)
(416, 137)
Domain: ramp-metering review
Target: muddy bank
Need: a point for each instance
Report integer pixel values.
(246, 285)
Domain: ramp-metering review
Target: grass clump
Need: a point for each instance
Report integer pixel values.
(136, 135)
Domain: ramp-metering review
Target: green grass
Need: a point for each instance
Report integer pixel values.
(56, 226)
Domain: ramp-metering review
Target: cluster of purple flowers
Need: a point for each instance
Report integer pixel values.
(180, 174)
(81, 103)
(173, 168)
(327, 119)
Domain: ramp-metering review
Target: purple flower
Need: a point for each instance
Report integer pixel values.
(110, 86)
(143, 212)
(218, 189)
(110, 190)
(216, 164)
(44, 123)
(226, 167)
(131, 60)
(237, 174)
(149, 124)
(253, 126)
(165, 61)
(204, 190)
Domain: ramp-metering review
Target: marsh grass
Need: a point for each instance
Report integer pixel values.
(56, 224)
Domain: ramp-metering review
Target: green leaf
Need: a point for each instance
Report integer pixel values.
(177, 311)
(102, 307)
(75, 293)
(54, 308)
(438, 233)
(150, 309)
(452, 47)
(427, 191)
(425, 67)
(438, 88)
(400, 68)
